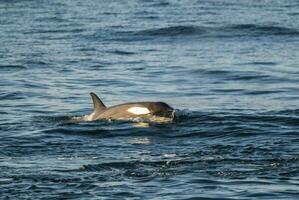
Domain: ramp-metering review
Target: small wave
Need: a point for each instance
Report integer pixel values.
(10, 67)
(294, 14)
(173, 31)
(121, 52)
(138, 164)
(263, 92)
(250, 30)
(37, 63)
(237, 75)
(55, 31)
(253, 29)
(262, 63)
(161, 4)
(288, 112)
(57, 119)
(12, 95)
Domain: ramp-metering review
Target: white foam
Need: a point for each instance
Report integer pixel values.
(86, 118)
(139, 110)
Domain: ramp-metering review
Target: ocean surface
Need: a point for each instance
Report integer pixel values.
(230, 68)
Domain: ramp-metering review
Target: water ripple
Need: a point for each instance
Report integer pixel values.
(229, 68)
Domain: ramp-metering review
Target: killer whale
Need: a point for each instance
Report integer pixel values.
(129, 110)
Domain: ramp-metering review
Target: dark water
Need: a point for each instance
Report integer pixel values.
(231, 68)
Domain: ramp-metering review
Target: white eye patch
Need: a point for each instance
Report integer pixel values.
(139, 110)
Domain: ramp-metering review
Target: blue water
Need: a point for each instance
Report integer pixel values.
(230, 68)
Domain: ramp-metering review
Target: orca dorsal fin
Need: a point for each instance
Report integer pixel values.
(97, 103)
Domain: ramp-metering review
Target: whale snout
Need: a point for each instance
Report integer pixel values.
(166, 113)
(162, 109)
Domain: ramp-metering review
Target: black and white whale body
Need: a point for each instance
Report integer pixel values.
(129, 110)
